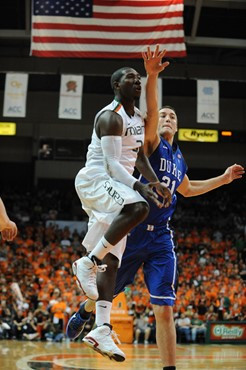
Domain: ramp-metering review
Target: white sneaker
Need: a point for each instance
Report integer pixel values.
(85, 271)
(101, 340)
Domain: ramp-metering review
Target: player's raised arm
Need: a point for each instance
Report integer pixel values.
(153, 65)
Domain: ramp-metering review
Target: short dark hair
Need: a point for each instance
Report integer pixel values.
(169, 107)
(116, 76)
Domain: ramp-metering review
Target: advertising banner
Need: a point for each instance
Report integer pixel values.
(198, 135)
(226, 332)
(7, 128)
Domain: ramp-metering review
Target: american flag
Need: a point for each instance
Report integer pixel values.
(106, 28)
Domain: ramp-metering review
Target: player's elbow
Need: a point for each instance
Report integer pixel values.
(187, 193)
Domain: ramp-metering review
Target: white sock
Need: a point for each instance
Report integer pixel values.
(102, 248)
(103, 309)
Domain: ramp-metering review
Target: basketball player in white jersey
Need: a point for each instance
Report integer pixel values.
(114, 200)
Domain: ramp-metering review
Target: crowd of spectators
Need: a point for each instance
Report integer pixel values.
(38, 292)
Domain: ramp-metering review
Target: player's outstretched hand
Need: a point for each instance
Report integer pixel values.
(236, 171)
(9, 231)
(153, 61)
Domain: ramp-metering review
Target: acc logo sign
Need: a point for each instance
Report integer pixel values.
(70, 111)
(15, 109)
(208, 115)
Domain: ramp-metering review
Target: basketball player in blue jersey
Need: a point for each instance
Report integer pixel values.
(151, 244)
(114, 200)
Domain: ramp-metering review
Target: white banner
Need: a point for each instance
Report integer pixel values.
(207, 101)
(71, 96)
(142, 101)
(15, 95)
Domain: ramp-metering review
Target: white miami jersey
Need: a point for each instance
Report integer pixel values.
(132, 139)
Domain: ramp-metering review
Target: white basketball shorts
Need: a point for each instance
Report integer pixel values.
(103, 198)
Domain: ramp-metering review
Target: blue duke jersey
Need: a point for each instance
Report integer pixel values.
(169, 165)
(151, 243)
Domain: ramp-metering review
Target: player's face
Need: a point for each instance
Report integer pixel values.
(130, 85)
(167, 122)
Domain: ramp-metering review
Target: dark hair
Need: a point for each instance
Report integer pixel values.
(116, 76)
(169, 107)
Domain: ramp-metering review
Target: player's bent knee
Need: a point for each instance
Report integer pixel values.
(163, 313)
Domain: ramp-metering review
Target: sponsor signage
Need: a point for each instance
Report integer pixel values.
(227, 332)
(198, 135)
(7, 128)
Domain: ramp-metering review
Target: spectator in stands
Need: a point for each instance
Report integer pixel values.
(58, 309)
(223, 304)
(183, 326)
(18, 324)
(29, 328)
(141, 326)
(197, 327)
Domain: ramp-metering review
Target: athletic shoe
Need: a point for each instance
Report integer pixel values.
(75, 325)
(101, 340)
(85, 271)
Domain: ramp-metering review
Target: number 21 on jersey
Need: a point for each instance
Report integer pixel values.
(167, 181)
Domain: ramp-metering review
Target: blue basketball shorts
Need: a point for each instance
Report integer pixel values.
(152, 247)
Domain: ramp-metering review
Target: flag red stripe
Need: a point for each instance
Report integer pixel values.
(140, 4)
(92, 41)
(90, 54)
(130, 29)
(137, 16)
(144, 17)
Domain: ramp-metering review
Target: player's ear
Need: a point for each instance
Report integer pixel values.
(116, 85)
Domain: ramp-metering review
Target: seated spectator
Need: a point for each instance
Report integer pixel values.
(18, 323)
(183, 325)
(197, 327)
(141, 327)
(42, 318)
(29, 328)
